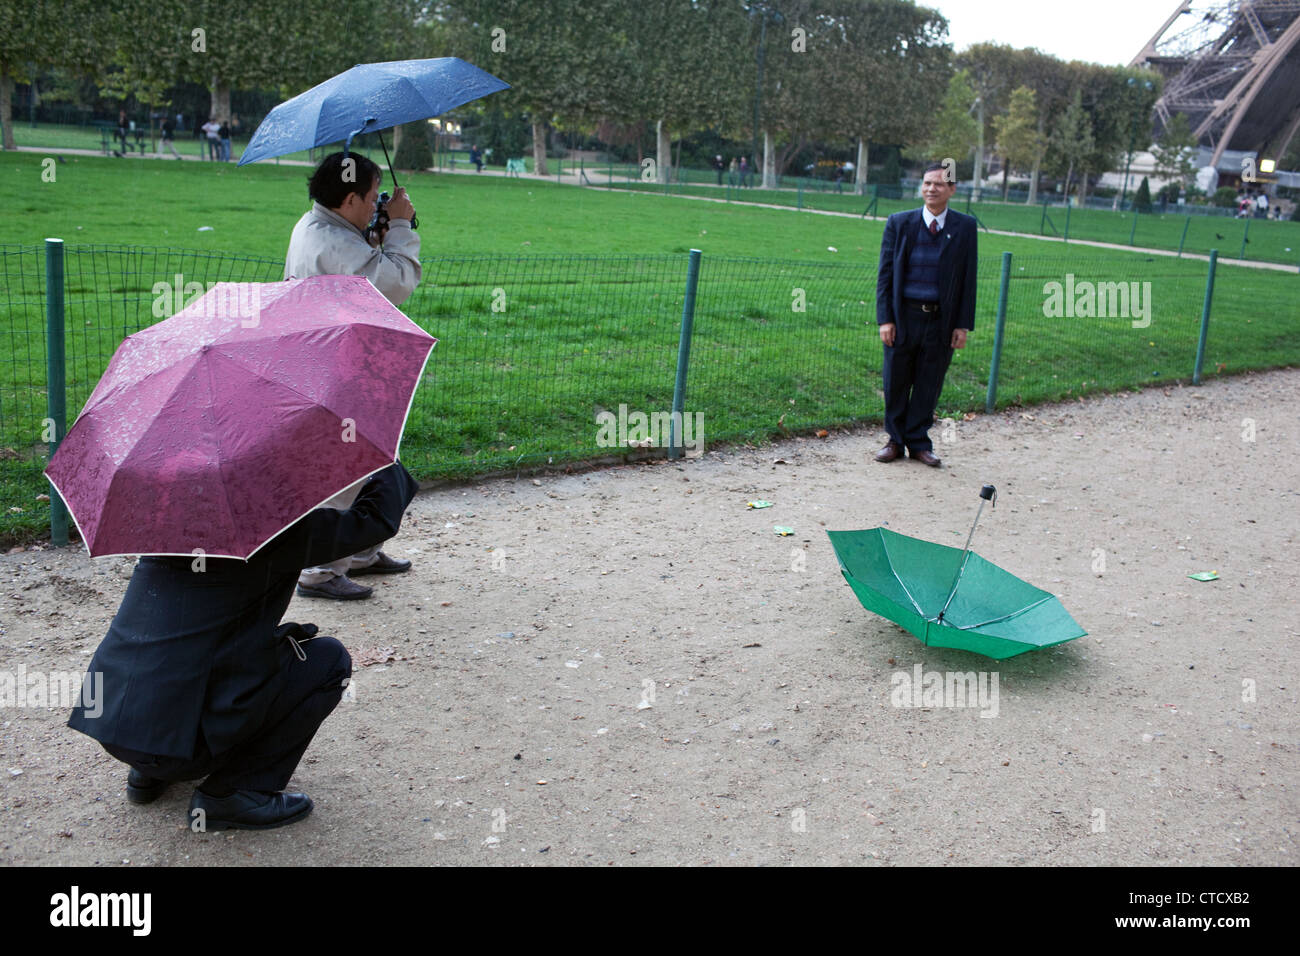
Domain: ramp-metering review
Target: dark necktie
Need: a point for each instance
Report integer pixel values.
(934, 227)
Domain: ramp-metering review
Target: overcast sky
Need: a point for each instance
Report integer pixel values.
(1098, 31)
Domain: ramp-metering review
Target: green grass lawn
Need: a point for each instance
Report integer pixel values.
(1252, 239)
(592, 283)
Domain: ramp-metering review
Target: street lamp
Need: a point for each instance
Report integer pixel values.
(1132, 141)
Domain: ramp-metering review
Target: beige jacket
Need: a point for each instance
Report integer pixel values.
(324, 243)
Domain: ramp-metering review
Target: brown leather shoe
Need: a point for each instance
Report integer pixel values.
(891, 451)
(926, 458)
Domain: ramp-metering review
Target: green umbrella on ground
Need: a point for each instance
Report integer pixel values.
(950, 597)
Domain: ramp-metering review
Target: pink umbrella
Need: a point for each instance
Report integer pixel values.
(215, 430)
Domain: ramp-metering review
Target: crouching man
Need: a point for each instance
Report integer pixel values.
(202, 681)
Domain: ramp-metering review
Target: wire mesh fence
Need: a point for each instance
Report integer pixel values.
(538, 354)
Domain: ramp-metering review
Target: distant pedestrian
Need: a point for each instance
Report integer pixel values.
(719, 165)
(168, 137)
(744, 172)
(1261, 206)
(123, 124)
(733, 172)
(476, 157)
(212, 130)
(223, 133)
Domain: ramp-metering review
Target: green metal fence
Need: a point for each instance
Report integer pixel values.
(534, 349)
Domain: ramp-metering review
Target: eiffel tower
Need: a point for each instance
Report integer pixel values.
(1234, 69)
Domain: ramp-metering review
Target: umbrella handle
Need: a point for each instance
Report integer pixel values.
(415, 220)
(987, 493)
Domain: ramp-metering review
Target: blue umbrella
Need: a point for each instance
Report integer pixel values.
(366, 98)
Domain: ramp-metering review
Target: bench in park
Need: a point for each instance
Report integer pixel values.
(109, 140)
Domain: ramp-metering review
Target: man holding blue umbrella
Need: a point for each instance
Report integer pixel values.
(331, 239)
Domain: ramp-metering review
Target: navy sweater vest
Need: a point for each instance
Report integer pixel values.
(921, 280)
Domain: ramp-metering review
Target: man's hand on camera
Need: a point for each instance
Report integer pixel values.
(399, 207)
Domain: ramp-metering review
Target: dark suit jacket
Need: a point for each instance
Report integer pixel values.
(196, 652)
(958, 259)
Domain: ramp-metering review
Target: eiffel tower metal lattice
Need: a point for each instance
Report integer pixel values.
(1234, 69)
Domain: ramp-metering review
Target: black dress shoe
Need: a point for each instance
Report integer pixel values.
(247, 810)
(337, 588)
(141, 789)
(384, 565)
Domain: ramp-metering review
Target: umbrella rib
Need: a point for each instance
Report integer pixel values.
(1004, 617)
(885, 547)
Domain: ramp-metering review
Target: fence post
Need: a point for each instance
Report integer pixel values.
(1186, 225)
(683, 357)
(800, 202)
(1042, 223)
(1205, 318)
(1244, 240)
(1067, 218)
(990, 401)
(56, 398)
(1133, 232)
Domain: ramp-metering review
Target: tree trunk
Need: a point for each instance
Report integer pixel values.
(539, 148)
(220, 100)
(1033, 183)
(1005, 185)
(860, 174)
(979, 154)
(769, 160)
(6, 107)
(663, 153)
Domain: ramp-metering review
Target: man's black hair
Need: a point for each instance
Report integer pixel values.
(329, 188)
(933, 167)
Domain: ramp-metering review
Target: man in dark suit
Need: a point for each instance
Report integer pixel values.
(925, 305)
(201, 680)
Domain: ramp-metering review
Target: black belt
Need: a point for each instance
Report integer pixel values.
(923, 306)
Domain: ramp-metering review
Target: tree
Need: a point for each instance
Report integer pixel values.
(564, 58)
(1175, 153)
(1142, 200)
(956, 130)
(39, 33)
(1071, 142)
(1120, 102)
(683, 55)
(1018, 139)
(413, 149)
(890, 61)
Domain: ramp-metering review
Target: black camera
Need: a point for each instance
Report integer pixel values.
(379, 224)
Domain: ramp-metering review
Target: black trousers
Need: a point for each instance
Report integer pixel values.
(914, 367)
(266, 760)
